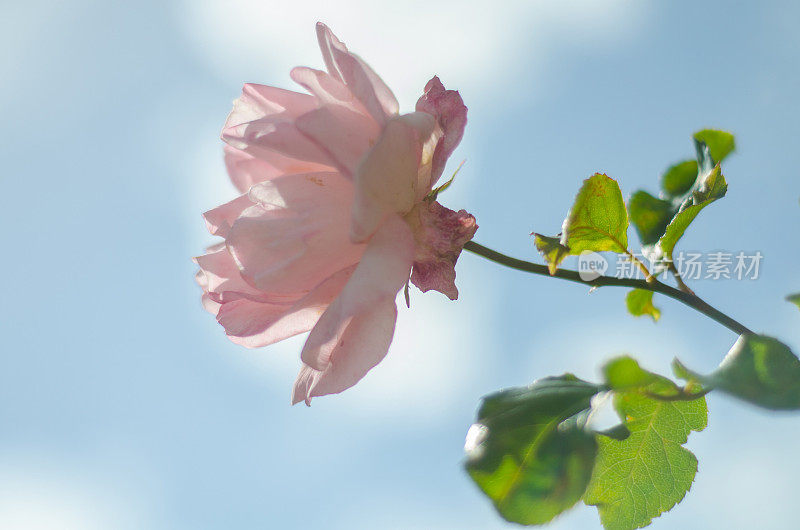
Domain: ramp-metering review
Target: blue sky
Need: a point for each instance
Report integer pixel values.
(122, 403)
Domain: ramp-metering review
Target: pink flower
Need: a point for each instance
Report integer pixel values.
(334, 215)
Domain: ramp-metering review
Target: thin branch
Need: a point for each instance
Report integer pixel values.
(649, 278)
(678, 279)
(656, 286)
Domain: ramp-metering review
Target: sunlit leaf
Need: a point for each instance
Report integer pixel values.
(758, 369)
(720, 143)
(598, 220)
(645, 475)
(525, 457)
(618, 432)
(712, 188)
(650, 216)
(624, 374)
(640, 303)
(552, 250)
(687, 188)
(679, 179)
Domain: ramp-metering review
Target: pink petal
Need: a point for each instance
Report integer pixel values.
(220, 219)
(362, 346)
(245, 169)
(302, 385)
(296, 235)
(384, 268)
(327, 43)
(387, 179)
(345, 135)
(248, 323)
(255, 324)
(262, 123)
(260, 101)
(440, 235)
(328, 89)
(221, 278)
(274, 134)
(357, 75)
(451, 114)
(210, 305)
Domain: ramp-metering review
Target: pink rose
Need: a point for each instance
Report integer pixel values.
(334, 215)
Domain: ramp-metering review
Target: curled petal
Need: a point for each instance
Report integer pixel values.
(364, 83)
(220, 277)
(361, 347)
(209, 305)
(440, 235)
(384, 268)
(220, 219)
(450, 112)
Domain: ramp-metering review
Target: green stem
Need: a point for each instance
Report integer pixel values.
(691, 300)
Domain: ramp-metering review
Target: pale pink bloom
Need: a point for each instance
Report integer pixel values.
(334, 215)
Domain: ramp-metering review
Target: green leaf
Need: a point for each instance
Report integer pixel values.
(794, 298)
(640, 302)
(712, 187)
(720, 143)
(624, 374)
(647, 474)
(598, 220)
(527, 459)
(687, 188)
(552, 250)
(679, 179)
(681, 372)
(650, 216)
(758, 369)
(618, 432)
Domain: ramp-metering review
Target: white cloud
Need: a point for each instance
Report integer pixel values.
(473, 45)
(46, 495)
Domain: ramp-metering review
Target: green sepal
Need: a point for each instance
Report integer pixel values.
(434, 193)
(551, 249)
